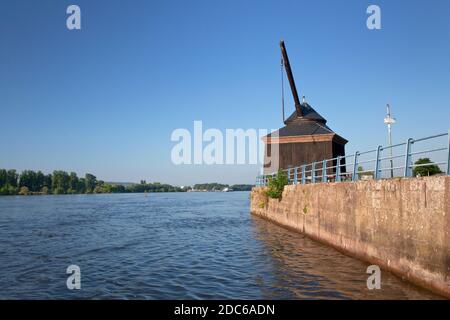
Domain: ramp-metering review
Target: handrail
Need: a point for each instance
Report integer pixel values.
(319, 171)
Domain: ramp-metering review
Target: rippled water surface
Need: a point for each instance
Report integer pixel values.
(170, 246)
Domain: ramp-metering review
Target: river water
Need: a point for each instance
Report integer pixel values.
(170, 246)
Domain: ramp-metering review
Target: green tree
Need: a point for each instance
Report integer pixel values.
(8, 182)
(11, 178)
(210, 186)
(73, 183)
(90, 182)
(8, 190)
(60, 182)
(81, 188)
(107, 188)
(117, 188)
(242, 187)
(48, 182)
(3, 176)
(425, 170)
(28, 179)
(40, 181)
(101, 187)
(58, 190)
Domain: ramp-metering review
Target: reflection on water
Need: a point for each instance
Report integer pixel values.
(183, 245)
(311, 270)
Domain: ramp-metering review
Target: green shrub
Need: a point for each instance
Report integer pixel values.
(58, 191)
(8, 189)
(305, 210)
(276, 185)
(4, 190)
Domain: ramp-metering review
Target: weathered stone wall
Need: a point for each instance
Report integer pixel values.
(402, 225)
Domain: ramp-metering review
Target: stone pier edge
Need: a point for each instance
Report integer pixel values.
(401, 224)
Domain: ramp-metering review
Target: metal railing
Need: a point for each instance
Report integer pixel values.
(399, 165)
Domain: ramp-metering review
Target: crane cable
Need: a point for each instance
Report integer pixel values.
(282, 87)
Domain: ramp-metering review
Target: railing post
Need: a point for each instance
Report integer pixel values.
(295, 175)
(324, 171)
(407, 172)
(355, 167)
(376, 173)
(448, 155)
(313, 172)
(338, 169)
(289, 175)
(303, 174)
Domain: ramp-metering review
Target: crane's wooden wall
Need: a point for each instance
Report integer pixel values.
(299, 153)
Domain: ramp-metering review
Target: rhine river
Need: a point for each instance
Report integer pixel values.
(170, 246)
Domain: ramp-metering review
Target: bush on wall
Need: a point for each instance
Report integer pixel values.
(276, 185)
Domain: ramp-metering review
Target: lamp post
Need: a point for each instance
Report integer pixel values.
(390, 121)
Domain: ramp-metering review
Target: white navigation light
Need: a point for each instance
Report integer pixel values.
(389, 120)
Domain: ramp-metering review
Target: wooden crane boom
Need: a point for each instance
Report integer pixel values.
(287, 66)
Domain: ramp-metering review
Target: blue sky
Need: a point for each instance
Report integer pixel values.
(106, 99)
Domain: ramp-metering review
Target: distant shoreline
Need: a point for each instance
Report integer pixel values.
(111, 193)
(30, 182)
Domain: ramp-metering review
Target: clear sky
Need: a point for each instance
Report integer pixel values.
(105, 99)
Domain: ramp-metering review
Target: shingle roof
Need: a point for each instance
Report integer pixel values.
(308, 113)
(310, 123)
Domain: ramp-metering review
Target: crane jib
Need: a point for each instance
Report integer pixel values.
(290, 76)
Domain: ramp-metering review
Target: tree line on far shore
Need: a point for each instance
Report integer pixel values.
(221, 187)
(61, 182)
